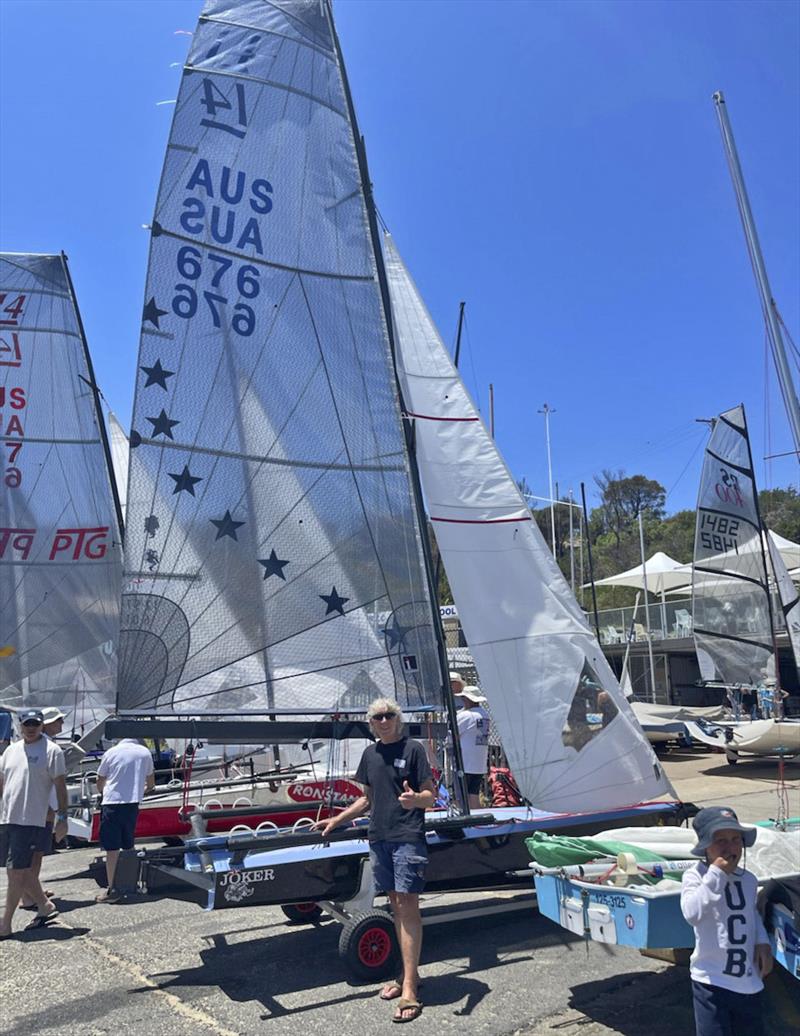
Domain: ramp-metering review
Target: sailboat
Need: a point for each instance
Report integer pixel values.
(276, 530)
(733, 620)
(60, 521)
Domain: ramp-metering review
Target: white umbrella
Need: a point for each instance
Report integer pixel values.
(663, 573)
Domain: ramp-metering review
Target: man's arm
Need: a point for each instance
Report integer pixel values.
(149, 782)
(355, 809)
(60, 829)
(100, 783)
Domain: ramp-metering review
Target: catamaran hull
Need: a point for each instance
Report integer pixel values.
(480, 857)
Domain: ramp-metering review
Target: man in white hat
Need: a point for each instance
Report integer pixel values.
(53, 725)
(473, 733)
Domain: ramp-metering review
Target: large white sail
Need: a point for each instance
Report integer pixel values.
(571, 738)
(789, 597)
(60, 539)
(120, 458)
(730, 593)
(273, 552)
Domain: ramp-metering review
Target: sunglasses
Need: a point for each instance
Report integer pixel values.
(384, 715)
(32, 723)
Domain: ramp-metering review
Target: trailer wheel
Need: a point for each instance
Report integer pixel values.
(368, 945)
(306, 913)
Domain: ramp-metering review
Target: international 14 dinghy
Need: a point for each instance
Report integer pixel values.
(276, 531)
(734, 624)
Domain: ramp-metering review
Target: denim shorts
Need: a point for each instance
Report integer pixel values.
(398, 866)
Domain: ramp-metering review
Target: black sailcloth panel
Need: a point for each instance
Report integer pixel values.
(60, 544)
(273, 554)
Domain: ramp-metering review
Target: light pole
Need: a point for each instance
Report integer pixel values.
(547, 410)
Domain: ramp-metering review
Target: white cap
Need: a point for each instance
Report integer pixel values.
(473, 693)
(52, 713)
(456, 676)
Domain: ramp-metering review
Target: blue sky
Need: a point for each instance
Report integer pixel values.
(556, 165)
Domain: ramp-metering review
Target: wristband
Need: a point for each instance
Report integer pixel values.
(61, 815)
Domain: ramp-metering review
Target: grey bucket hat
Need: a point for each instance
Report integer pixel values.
(718, 818)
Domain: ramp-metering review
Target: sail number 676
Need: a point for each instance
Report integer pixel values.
(185, 300)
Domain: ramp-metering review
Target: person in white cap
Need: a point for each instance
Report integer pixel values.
(52, 727)
(473, 733)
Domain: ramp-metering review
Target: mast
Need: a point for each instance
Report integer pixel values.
(369, 200)
(760, 271)
(458, 332)
(101, 424)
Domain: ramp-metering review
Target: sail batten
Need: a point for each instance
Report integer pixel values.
(571, 739)
(273, 552)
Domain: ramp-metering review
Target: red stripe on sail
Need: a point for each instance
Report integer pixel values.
(429, 417)
(479, 521)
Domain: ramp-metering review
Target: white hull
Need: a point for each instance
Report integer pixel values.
(763, 737)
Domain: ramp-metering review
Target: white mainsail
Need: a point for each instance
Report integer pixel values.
(60, 539)
(120, 458)
(789, 597)
(539, 664)
(730, 589)
(271, 517)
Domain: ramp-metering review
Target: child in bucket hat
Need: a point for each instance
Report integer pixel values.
(732, 952)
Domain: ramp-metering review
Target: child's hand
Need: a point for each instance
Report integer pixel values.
(722, 863)
(763, 957)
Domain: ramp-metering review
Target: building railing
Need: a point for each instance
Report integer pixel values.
(670, 620)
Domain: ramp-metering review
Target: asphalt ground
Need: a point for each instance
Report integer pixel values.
(148, 967)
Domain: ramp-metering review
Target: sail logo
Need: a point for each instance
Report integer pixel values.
(727, 489)
(342, 792)
(10, 352)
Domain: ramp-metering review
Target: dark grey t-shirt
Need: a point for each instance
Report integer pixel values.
(384, 769)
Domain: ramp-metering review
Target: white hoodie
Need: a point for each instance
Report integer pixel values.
(727, 927)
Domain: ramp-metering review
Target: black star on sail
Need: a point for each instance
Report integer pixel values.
(226, 526)
(162, 425)
(273, 566)
(156, 375)
(334, 602)
(184, 481)
(396, 633)
(152, 313)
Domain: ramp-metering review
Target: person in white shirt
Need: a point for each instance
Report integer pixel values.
(29, 769)
(53, 725)
(731, 953)
(473, 733)
(125, 773)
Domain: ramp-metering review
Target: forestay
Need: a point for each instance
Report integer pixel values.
(60, 539)
(273, 558)
(571, 738)
(730, 598)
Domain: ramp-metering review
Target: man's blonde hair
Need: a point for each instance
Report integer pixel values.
(384, 705)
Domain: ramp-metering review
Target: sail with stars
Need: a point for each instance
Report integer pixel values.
(273, 552)
(60, 530)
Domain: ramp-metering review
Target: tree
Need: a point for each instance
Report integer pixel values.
(623, 499)
(780, 511)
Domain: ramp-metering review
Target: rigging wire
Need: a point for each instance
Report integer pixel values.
(767, 480)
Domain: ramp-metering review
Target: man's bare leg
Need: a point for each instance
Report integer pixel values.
(112, 855)
(408, 926)
(16, 884)
(33, 891)
(36, 867)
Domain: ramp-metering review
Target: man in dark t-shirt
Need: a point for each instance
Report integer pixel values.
(398, 788)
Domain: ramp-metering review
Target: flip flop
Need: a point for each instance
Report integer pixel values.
(40, 921)
(407, 1005)
(392, 990)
